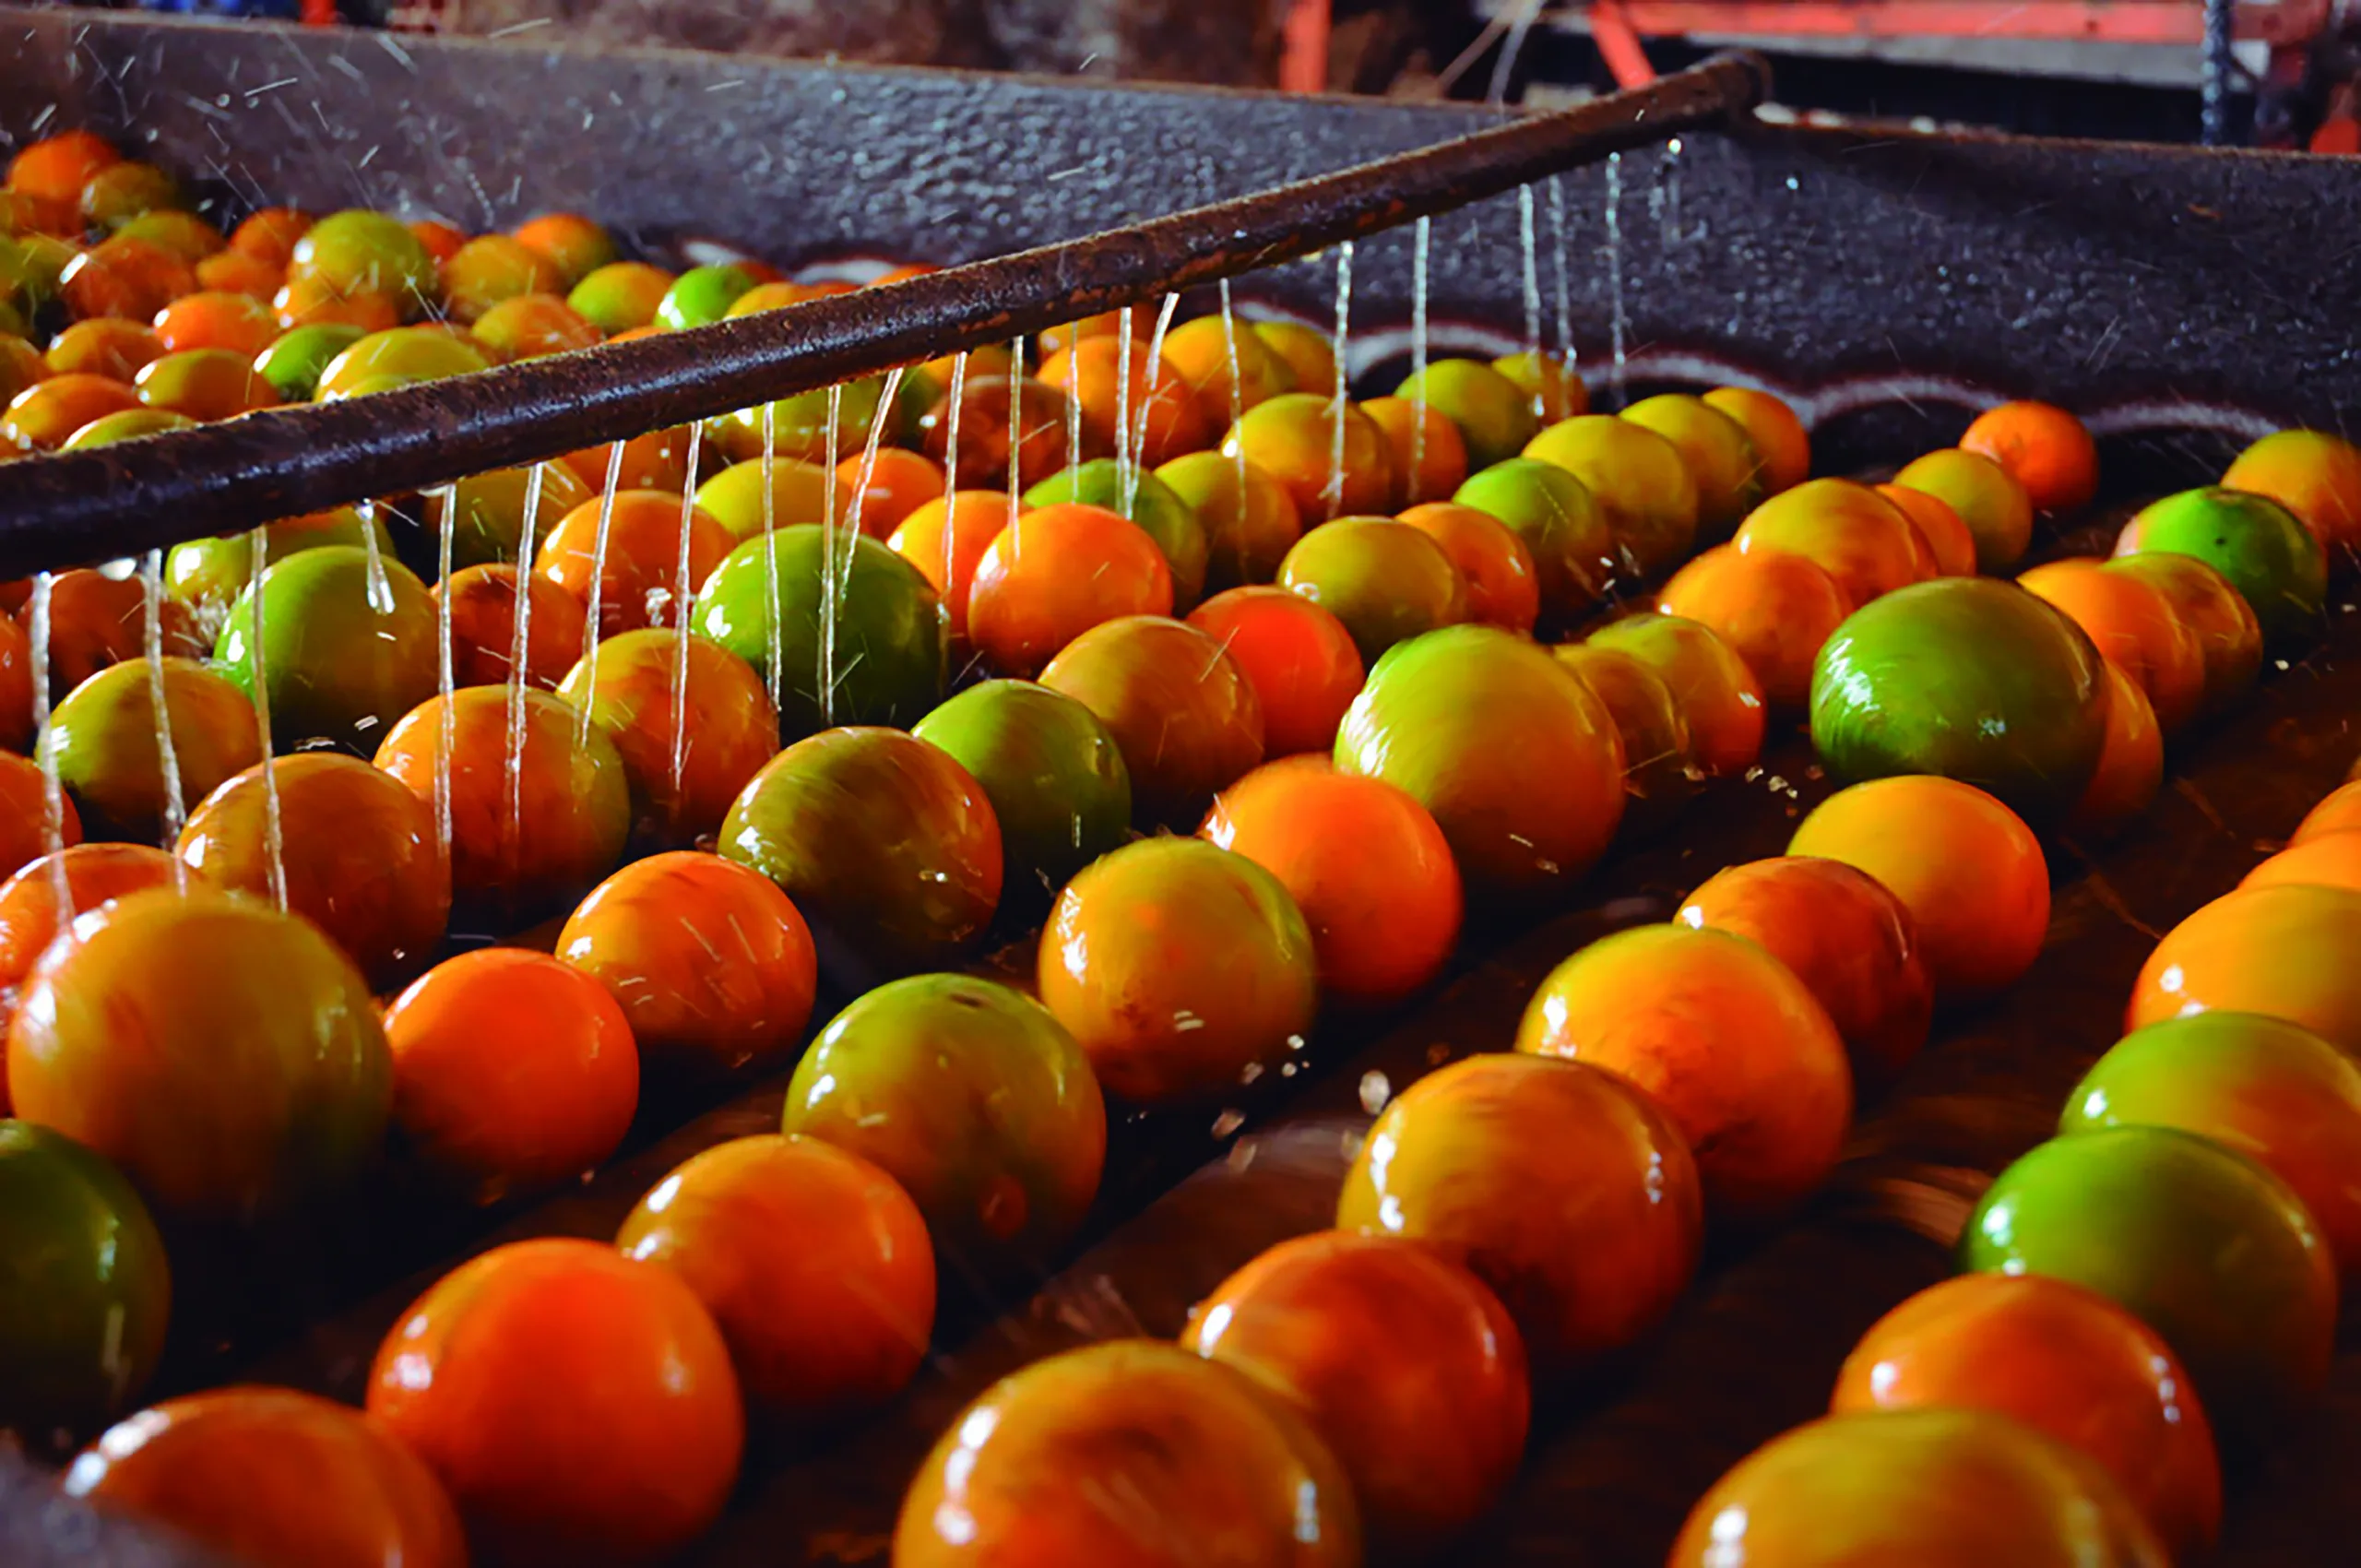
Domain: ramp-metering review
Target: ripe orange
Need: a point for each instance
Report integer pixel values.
(1718, 694)
(637, 583)
(1778, 437)
(2316, 476)
(1298, 657)
(1055, 573)
(2044, 448)
(1994, 507)
(2135, 626)
(1775, 610)
(945, 542)
(1946, 536)
(1501, 588)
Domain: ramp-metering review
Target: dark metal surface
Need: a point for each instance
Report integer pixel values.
(134, 496)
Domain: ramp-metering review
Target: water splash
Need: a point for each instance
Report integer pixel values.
(680, 590)
(1074, 391)
(1138, 433)
(1017, 428)
(1237, 393)
(1334, 494)
(771, 671)
(274, 828)
(519, 644)
(1564, 285)
(381, 587)
(1123, 477)
(1530, 246)
(889, 389)
(446, 683)
(597, 590)
(1619, 326)
(831, 612)
(1421, 241)
(52, 788)
(951, 442)
(168, 759)
(1664, 197)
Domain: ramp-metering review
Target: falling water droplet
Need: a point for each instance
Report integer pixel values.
(274, 832)
(771, 671)
(1530, 250)
(1138, 433)
(446, 667)
(681, 589)
(52, 788)
(151, 594)
(1619, 325)
(1122, 414)
(1421, 239)
(520, 640)
(1237, 392)
(1335, 496)
(597, 588)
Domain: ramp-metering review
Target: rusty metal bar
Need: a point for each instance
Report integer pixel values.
(118, 500)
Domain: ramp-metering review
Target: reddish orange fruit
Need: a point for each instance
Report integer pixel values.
(1840, 932)
(1501, 586)
(1180, 969)
(1205, 350)
(638, 582)
(815, 1266)
(2065, 1361)
(1405, 1363)
(309, 299)
(1182, 712)
(1165, 416)
(1853, 534)
(1054, 573)
(1725, 1038)
(689, 718)
(16, 686)
(2319, 860)
(269, 234)
(483, 627)
(1428, 467)
(2044, 448)
(1718, 694)
(947, 540)
(658, 460)
(124, 276)
(1299, 659)
(105, 344)
(1778, 437)
(57, 167)
(1945, 534)
(41, 416)
(2227, 634)
(578, 1404)
(273, 1475)
(1772, 608)
(96, 875)
(578, 247)
(2131, 761)
(442, 241)
(96, 619)
(2135, 626)
(529, 326)
(24, 815)
(985, 427)
(2284, 951)
(711, 963)
(1966, 867)
(1564, 1188)
(237, 322)
(235, 272)
(900, 481)
(553, 1100)
(1365, 864)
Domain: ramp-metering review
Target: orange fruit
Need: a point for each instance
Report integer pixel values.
(1966, 867)
(1720, 456)
(657, 460)
(2283, 950)
(269, 234)
(1293, 437)
(104, 345)
(2064, 1361)
(272, 1476)
(205, 384)
(712, 965)
(1639, 478)
(2319, 860)
(442, 241)
(57, 167)
(235, 272)
(1660, 771)
(1994, 507)
(639, 583)
(2229, 639)
(1501, 586)
(1386, 581)
(1850, 531)
(1564, 1188)
(2339, 810)
(1405, 1363)
(1554, 388)
(1845, 936)
(206, 320)
(900, 481)
(1734, 1048)
(575, 245)
(1299, 659)
(24, 813)
(2135, 626)
(96, 875)
(2131, 761)
(1183, 714)
(124, 276)
(2044, 448)
(690, 720)
(1773, 609)
(945, 542)
(1182, 970)
(1309, 353)
(1165, 418)
(1204, 351)
(1778, 437)
(483, 627)
(1249, 519)
(1054, 573)
(96, 619)
(16, 686)
(493, 268)
(986, 426)
(526, 326)
(2316, 476)
(1364, 862)
(1947, 538)
(309, 299)
(1718, 694)
(550, 1103)
(41, 417)
(578, 1404)
(1426, 469)
(815, 1266)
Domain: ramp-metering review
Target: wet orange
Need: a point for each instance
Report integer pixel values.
(711, 963)
(1057, 340)
(2283, 950)
(1840, 931)
(1386, 581)
(657, 460)
(96, 875)
(1994, 507)
(125, 277)
(1182, 712)
(1564, 1188)
(490, 268)
(1055, 573)
(947, 541)
(900, 481)
(41, 416)
(23, 812)
(2131, 762)
(1966, 867)
(1299, 659)
(237, 322)
(691, 721)
(105, 344)
(234, 272)
(578, 1404)
(16, 686)
(2065, 1361)
(1293, 438)
(1946, 537)
(21, 364)
(2316, 476)
(638, 584)
(2320, 860)
(1249, 519)
(1207, 1466)
(1734, 1048)
(1773, 609)
(359, 851)
(442, 241)
(1850, 531)
(205, 384)
(1405, 1363)
(985, 428)
(1555, 389)
(1719, 454)
(1502, 587)
(309, 299)
(529, 326)
(1204, 350)
(2135, 626)
(1166, 417)
(2228, 637)
(1182, 970)
(1426, 468)
(96, 619)
(483, 627)
(1718, 694)
(1778, 437)
(2338, 811)
(523, 840)
(269, 234)
(814, 1264)
(1309, 353)
(575, 245)
(57, 167)
(2044, 448)
(1660, 771)
(1639, 478)
(1364, 862)
(275, 1478)
(549, 1104)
